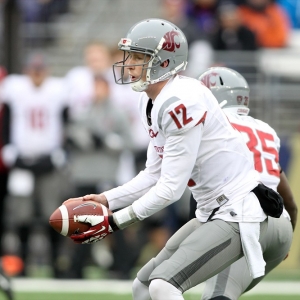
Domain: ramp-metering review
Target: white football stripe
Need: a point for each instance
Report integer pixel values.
(65, 220)
(122, 287)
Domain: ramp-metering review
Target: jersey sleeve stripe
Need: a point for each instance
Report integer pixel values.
(163, 108)
(202, 120)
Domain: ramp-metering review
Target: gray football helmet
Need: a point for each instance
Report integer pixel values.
(229, 87)
(159, 41)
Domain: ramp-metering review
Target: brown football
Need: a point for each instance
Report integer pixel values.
(64, 218)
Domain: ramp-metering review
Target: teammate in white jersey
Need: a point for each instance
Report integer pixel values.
(232, 92)
(192, 143)
(36, 105)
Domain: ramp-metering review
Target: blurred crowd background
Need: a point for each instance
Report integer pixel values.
(68, 130)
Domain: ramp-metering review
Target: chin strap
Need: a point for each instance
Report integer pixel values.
(223, 103)
(139, 86)
(166, 76)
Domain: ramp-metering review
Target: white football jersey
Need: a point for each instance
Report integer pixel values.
(264, 145)
(192, 143)
(36, 113)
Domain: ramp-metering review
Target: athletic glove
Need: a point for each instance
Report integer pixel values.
(100, 228)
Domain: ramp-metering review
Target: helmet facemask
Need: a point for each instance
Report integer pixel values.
(150, 62)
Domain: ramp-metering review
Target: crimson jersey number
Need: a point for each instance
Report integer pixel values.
(180, 109)
(252, 144)
(37, 118)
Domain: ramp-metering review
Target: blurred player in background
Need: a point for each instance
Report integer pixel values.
(232, 92)
(99, 137)
(192, 143)
(80, 79)
(36, 104)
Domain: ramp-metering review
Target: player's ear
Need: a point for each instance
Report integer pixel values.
(165, 63)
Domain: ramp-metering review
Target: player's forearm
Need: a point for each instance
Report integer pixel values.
(138, 211)
(289, 203)
(126, 194)
(150, 204)
(293, 212)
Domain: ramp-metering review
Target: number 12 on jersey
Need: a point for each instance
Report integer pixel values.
(180, 109)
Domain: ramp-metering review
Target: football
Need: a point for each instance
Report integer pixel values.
(64, 219)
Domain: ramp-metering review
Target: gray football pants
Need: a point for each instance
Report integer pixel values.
(196, 252)
(233, 281)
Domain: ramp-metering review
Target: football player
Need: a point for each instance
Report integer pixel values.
(36, 111)
(192, 143)
(232, 92)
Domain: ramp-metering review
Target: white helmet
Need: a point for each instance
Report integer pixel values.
(161, 41)
(229, 87)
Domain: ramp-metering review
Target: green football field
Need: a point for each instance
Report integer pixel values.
(279, 286)
(80, 296)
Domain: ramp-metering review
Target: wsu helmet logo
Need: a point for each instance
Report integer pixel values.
(210, 80)
(169, 44)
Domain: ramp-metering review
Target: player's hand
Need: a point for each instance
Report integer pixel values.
(96, 197)
(99, 230)
(100, 198)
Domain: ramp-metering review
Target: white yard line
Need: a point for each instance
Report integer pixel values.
(124, 286)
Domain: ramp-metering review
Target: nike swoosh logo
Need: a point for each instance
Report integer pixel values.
(85, 204)
(103, 228)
